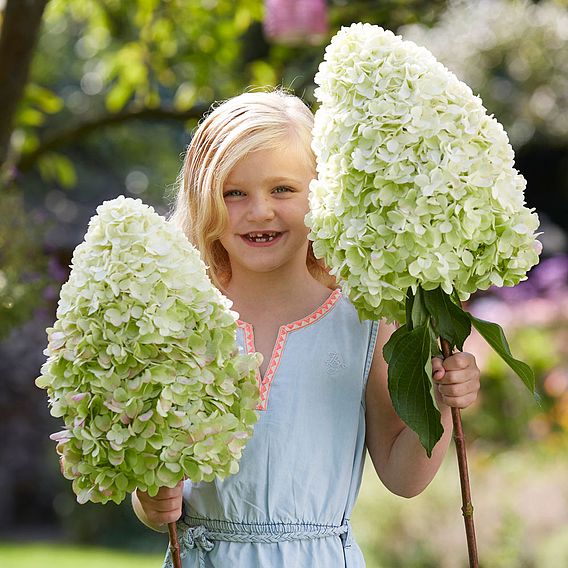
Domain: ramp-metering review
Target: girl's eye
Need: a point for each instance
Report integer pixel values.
(282, 189)
(233, 193)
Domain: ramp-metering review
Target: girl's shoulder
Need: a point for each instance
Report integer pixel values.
(346, 305)
(346, 321)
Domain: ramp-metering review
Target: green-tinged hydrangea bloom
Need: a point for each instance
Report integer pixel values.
(143, 364)
(416, 184)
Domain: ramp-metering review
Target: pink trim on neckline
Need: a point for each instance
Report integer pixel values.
(284, 330)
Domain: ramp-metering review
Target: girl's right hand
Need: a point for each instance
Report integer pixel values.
(162, 509)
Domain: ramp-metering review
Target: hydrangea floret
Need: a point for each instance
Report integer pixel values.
(416, 184)
(143, 364)
(416, 206)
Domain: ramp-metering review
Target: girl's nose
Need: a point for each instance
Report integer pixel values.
(261, 209)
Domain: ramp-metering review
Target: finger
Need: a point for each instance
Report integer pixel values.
(459, 401)
(459, 361)
(168, 492)
(143, 496)
(164, 494)
(461, 376)
(165, 508)
(163, 518)
(438, 370)
(457, 389)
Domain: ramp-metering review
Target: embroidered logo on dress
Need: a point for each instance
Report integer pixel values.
(334, 363)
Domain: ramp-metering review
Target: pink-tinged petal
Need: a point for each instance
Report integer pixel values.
(115, 460)
(78, 422)
(146, 416)
(79, 397)
(113, 405)
(62, 436)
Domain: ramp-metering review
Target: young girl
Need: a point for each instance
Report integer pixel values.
(242, 200)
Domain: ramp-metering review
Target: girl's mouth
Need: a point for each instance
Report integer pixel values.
(261, 238)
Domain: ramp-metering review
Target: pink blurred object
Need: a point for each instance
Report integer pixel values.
(295, 22)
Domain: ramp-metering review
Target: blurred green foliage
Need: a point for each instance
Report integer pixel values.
(22, 263)
(520, 512)
(534, 315)
(507, 414)
(101, 62)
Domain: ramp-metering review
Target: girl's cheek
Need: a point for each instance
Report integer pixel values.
(233, 211)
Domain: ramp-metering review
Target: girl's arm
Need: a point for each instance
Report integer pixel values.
(399, 458)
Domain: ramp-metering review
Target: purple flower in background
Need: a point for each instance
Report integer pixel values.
(295, 22)
(540, 300)
(552, 274)
(56, 270)
(548, 279)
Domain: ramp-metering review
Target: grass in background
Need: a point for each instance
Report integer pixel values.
(23, 555)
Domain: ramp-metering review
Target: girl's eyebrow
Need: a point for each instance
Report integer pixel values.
(268, 180)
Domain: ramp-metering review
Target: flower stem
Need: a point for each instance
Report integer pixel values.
(174, 545)
(467, 507)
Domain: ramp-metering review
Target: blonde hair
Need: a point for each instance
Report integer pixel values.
(248, 122)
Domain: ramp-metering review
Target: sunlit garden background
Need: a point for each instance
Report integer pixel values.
(99, 98)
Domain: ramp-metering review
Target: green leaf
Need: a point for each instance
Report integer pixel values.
(409, 386)
(450, 321)
(65, 171)
(29, 141)
(185, 96)
(435, 350)
(59, 168)
(419, 314)
(390, 346)
(43, 98)
(30, 117)
(263, 73)
(494, 335)
(408, 306)
(118, 96)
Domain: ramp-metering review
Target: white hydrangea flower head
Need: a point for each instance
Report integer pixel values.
(416, 184)
(143, 364)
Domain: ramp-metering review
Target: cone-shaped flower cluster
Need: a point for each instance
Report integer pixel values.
(416, 184)
(142, 362)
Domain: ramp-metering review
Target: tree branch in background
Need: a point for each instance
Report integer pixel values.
(76, 132)
(21, 23)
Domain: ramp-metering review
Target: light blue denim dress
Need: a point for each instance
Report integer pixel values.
(290, 503)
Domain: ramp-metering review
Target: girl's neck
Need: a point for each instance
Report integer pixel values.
(275, 296)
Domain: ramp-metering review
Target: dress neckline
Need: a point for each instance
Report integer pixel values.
(283, 331)
(327, 303)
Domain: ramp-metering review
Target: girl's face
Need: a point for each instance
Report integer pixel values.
(266, 195)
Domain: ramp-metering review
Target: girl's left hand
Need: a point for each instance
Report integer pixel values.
(456, 380)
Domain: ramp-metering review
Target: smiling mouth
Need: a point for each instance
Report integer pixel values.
(265, 237)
